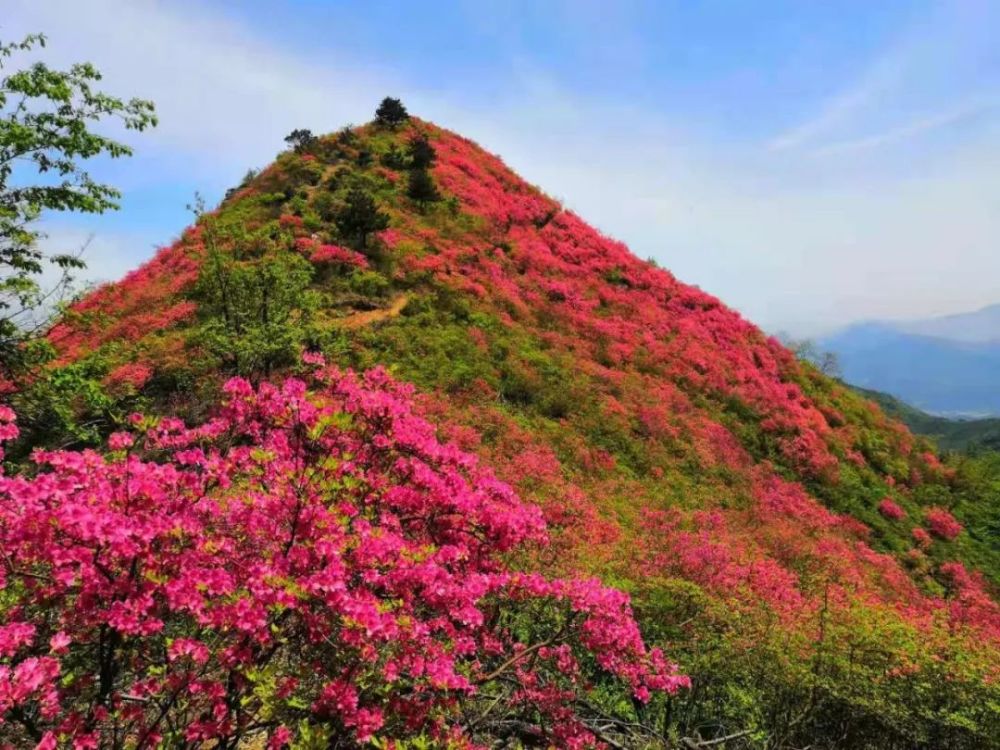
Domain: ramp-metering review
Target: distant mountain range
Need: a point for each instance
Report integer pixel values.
(979, 327)
(947, 366)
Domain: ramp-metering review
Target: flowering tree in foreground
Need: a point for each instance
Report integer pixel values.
(308, 566)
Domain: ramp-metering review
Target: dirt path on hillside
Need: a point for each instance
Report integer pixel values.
(362, 319)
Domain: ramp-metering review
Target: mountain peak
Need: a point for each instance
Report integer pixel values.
(672, 446)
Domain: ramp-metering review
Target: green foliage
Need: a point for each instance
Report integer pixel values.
(359, 217)
(421, 152)
(421, 188)
(949, 434)
(66, 405)
(46, 117)
(255, 311)
(395, 158)
(302, 141)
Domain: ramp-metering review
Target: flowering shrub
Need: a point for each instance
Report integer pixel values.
(336, 254)
(921, 538)
(942, 524)
(302, 563)
(891, 510)
(134, 374)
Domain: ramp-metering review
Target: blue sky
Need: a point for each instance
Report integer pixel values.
(809, 163)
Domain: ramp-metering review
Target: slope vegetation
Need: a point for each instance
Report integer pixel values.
(800, 555)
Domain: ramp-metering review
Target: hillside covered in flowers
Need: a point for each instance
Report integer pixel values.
(391, 450)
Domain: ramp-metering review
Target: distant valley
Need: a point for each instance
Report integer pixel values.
(950, 434)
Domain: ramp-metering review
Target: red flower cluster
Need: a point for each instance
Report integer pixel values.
(891, 510)
(942, 523)
(133, 374)
(130, 309)
(336, 254)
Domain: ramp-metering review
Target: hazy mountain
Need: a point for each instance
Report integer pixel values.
(979, 327)
(948, 366)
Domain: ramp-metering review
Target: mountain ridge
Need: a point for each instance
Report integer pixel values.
(939, 375)
(980, 326)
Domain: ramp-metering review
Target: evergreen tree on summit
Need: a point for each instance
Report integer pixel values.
(391, 113)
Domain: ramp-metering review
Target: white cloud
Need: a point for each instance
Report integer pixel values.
(225, 95)
(795, 243)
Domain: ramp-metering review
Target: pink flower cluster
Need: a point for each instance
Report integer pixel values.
(942, 524)
(337, 254)
(891, 510)
(305, 557)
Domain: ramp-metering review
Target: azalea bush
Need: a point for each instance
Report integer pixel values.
(891, 510)
(942, 523)
(307, 566)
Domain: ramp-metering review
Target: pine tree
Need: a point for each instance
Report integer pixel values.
(421, 188)
(301, 140)
(391, 113)
(359, 217)
(421, 152)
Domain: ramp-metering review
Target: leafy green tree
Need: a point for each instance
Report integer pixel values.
(421, 152)
(45, 120)
(301, 140)
(391, 113)
(346, 136)
(395, 158)
(255, 312)
(421, 188)
(359, 217)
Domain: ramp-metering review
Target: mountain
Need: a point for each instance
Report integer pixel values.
(979, 327)
(947, 366)
(949, 434)
(813, 568)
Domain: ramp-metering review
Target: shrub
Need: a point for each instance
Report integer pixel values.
(302, 141)
(359, 217)
(254, 312)
(921, 538)
(942, 524)
(421, 188)
(395, 158)
(421, 152)
(891, 510)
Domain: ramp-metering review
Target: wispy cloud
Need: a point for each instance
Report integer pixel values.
(925, 80)
(226, 95)
(840, 109)
(911, 129)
